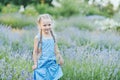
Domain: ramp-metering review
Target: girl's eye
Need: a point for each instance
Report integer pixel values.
(44, 25)
(49, 24)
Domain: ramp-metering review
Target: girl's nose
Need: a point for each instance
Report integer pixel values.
(48, 27)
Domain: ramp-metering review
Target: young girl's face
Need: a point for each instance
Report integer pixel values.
(45, 25)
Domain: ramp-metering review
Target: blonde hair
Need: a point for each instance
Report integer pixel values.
(45, 16)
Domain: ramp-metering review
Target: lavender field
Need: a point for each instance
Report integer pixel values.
(89, 52)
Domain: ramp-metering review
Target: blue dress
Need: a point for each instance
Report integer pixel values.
(47, 67)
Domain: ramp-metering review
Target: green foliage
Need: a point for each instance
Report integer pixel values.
(18, 2)
(24, 2)
(1, 6)
(69, 7)
(118, 28)
(16, 20)
(62, 42)
(86, 69)
(45, 8)
(10, 8)
(42, 8)
(16, 46)
(86, 9)
(82, 42)
(54, 11)
(116, 17)
(2, 54)
(77, 8)
(30, 11)
(108, 10)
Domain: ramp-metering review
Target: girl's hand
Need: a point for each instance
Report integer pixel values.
(61, 61)
(34, 67)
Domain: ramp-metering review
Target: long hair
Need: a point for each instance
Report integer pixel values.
(44, 16)
(40, 42)
(53, 36)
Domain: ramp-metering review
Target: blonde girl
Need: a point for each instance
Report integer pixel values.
(46, 52)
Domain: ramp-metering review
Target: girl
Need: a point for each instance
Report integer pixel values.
(46, 52)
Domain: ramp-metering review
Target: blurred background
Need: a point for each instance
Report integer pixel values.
(88, 36)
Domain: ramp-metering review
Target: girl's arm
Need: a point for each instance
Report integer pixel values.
(58, 55)
(35, 53)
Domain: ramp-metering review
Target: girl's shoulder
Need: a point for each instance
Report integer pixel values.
(37, 36)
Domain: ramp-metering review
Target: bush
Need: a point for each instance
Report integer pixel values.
(54, 11)
(10, 8)
(24, 2)
(45, 8)
(1, 6)
(69, 7)
(16, 20)
(86, 9)
(42, 8)
(108, 10)
(31, 11)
